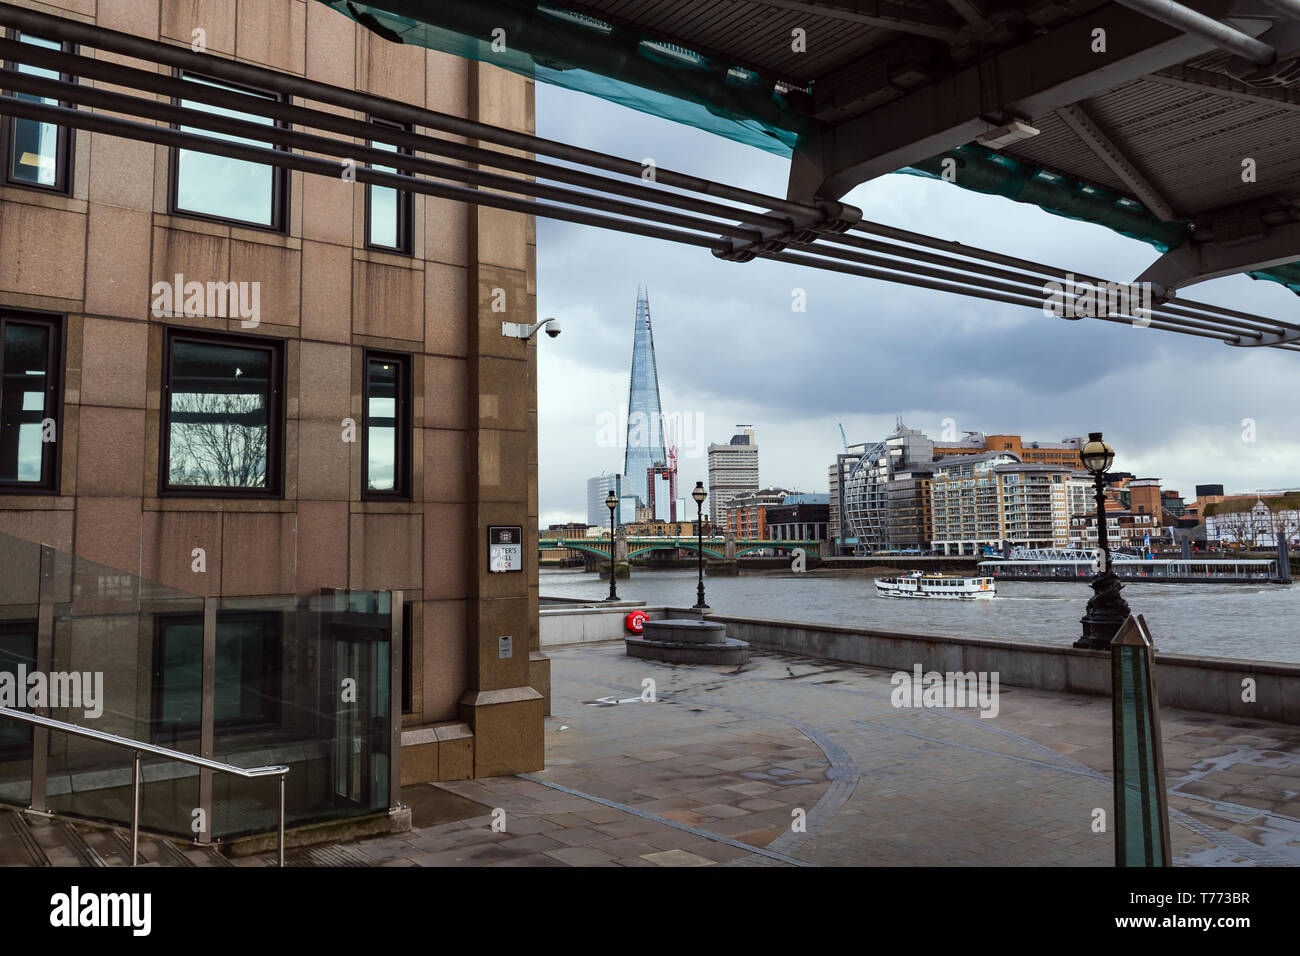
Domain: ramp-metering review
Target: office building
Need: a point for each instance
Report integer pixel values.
(645, 439)
(733, 470)
(288, 435)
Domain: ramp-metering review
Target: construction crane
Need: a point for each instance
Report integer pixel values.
(844, 438)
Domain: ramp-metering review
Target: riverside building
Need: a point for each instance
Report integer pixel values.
(322, 485)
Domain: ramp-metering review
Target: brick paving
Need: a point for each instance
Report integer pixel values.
(792, 761)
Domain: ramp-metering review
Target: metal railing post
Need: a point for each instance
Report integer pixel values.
(280, 832)
(135, 809)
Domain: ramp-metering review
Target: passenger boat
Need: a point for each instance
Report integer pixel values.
(921, 584)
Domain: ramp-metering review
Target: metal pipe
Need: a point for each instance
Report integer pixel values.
(154, 51)
(164, 136)
(135, 808)
(280, 829)
(283, 137)
(1182, 307)
(288, 113)
(140, 746)
(1290, 7)
(1220, 34)
(352, 127)
(182, 139)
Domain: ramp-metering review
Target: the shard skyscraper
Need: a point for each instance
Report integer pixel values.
(645, 440)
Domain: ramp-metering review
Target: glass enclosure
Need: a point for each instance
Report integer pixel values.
(301, 681)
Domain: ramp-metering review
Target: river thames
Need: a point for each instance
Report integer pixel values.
(1254, 622)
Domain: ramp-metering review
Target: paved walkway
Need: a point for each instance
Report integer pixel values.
(792, 761)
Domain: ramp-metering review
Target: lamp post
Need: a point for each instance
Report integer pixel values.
(699, 494)
(1107, 611)
(611, 502)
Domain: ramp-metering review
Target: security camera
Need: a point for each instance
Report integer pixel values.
(518, 331)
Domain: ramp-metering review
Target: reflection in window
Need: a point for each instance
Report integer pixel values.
(388, 210)
(247, 673)
(222, 400)
(222, 187)
(17, 650)
(28, 397)
(387, 428)
(36, 153)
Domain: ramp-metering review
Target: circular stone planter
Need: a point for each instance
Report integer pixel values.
(687, 642)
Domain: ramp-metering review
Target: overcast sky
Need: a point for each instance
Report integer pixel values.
(731, 350)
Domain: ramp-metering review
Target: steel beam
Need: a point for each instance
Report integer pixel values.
(1211, 260)
(1077, 118)
(1220, 34)
(1036, 77)
(878, 13)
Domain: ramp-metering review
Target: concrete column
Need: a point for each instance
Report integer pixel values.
(501, 703)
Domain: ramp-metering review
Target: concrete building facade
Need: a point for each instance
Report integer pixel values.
(393, 333)
(733, 470)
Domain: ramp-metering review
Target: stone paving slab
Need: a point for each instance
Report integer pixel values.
(793, 761)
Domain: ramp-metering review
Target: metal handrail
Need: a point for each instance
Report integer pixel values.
(140, 747)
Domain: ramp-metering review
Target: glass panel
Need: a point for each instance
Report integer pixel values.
(383, 208)
(330, 698)
(17, 659)
(105, 648)
(301, 682)
(384, 377)
(22, 400)
(221, 186)
(219, 415)
(34, 152)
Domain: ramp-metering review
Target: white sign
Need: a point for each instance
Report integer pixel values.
(505, 548)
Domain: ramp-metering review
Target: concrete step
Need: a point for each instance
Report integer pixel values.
(32, 839)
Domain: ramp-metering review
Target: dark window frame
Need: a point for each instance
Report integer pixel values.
(276, 423)
(403, 433)
(51, 458)
(63, 172)
(172, 733)
(279, 175)
(405, 199)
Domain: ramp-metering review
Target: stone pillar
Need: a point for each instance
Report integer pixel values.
(502, 704)
(729, 546)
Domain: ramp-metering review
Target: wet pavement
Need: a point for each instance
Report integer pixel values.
(794, 762)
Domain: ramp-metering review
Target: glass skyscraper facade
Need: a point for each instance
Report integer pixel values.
(645, 440)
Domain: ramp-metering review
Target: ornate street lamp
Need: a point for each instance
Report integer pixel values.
(699, 494)
(611, 502)
(1107, 611)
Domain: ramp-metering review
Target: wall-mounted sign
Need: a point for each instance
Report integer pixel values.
(505, 548)
(505, 646)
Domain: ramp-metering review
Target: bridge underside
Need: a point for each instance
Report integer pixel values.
(886, 87)
(1139, 116)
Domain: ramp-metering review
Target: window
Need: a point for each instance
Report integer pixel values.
(31, 360)
(388, 210)
(386, 434)
(36, 154)
(219, 187)
(247, 673)
(222, 415)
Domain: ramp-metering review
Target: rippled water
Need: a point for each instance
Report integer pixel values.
(1255, 622)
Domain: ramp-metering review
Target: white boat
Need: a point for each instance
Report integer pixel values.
(921, 584)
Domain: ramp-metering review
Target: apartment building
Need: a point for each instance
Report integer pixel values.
(993, 500)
